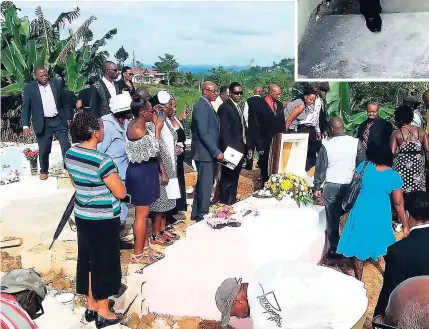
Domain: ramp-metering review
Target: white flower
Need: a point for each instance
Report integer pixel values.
(274, 179)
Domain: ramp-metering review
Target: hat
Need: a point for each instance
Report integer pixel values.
(120, 103)
(162, 97)
(23, 279)
(225, 296)
(411, 100)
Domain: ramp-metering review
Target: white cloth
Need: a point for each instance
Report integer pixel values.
(110, 86)
(246, 110)
(417, 119)
(292, 295)
(120, 103)
(48, 101)
(341, 152)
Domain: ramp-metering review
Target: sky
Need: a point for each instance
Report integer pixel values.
(197, 33)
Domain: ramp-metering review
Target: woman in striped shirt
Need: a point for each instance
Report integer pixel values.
(97, 210)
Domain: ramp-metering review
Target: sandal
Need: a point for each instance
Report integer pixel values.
(153, 253)
(155, 240)
(170, 235)
(143, 259)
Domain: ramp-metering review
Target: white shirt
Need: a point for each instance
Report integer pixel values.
(217, 103)
(48, 101)
(110, 86)
(419, 227)
(295, 295)
(312, 114)
(246, 111)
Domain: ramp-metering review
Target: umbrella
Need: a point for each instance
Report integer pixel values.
(64, 219)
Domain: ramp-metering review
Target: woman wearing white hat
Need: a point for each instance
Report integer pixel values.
(113, 144)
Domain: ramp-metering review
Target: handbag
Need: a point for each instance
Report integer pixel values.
(352, 194)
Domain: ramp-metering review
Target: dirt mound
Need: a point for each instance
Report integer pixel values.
(9, 263)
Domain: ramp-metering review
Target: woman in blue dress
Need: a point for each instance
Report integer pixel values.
(368, 230)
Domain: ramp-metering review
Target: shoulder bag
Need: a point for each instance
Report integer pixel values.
(352, 194)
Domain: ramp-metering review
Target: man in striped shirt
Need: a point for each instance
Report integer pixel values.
(22, 293)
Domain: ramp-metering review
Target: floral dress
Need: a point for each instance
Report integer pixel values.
(164, 204)
(410, 164)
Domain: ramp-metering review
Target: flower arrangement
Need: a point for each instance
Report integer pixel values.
(221, 215)
(287, 185)
(30, 154)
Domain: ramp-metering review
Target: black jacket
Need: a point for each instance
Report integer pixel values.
(231, 128)
(264, 124)
(124, 87)
(405, 259)
(379, 134)
(32, 107)
(100, 97)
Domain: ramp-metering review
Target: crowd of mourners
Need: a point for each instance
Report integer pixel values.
(129, 151)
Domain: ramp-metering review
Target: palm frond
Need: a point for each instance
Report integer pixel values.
(66, 16)
(88, 36)
(74, 40)
(102, 42)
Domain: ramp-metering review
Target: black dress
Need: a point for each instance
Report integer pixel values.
(180, 203)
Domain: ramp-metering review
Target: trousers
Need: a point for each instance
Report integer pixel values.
(203, 189)
(53, 126)
(229, 184)
(333, 195)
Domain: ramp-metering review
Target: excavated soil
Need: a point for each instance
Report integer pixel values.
(9, 263)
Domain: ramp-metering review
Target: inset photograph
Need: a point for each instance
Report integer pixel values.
(363, 39)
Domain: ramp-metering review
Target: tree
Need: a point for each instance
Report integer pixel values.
(25, 45)
(167, 65)
(139, 65)
(121, 56)
(190, 80)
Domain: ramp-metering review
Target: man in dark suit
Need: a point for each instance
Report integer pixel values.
(375, 129)
(408, 257)
(266, 119)
(46, 103)
(233, 133)
(103, 90)
(205, 148)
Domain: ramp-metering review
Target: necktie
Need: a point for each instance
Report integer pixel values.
(366, 134)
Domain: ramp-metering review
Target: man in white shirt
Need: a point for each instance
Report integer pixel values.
(46, 104)
(103, 90)
(293, 295)
(223, 96)
(335, 165)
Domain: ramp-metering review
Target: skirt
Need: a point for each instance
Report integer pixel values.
(98, 254)
(142, 182)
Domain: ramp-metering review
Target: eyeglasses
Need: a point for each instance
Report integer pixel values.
(212, 91)
(114, 70)
(130, 74)
(237, 92)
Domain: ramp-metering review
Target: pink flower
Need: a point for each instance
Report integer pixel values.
(221, 215)
(228, 214)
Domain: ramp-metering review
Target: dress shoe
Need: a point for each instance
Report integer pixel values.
(331, 254)
(373, 23)
(43, 176)
(126, 245)
(90, 315)
(102, 322)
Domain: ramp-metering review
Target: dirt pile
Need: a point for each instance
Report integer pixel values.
(9, 263)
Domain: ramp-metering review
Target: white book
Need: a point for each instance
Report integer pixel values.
(231, 158)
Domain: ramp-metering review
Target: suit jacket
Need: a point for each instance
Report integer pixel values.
(124, 87)
(32, 106)
(231, 127)
(100, 98)
(264, 124)
(205, 132)
(379, 134)
(405, 259)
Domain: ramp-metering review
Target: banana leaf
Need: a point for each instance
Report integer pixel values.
(338, 99)
(13, 89)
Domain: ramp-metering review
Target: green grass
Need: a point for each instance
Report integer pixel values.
(181, 93)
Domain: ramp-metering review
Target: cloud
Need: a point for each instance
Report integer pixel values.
(227, 33)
